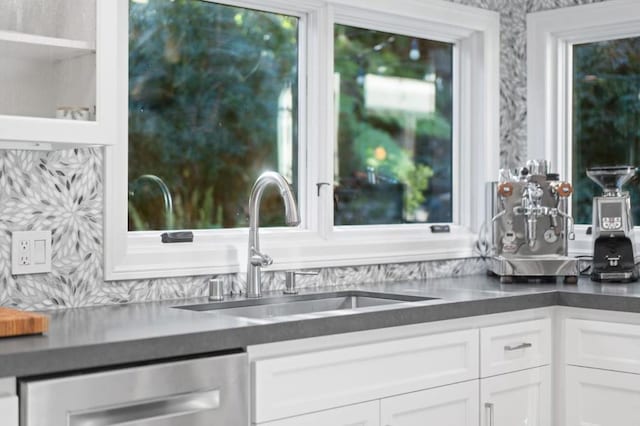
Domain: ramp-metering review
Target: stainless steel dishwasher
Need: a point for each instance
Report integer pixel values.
(197, 392)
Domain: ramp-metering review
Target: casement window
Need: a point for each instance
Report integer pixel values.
(584, 97)
(383, 117)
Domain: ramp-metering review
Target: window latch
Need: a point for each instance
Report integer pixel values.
(320, 185)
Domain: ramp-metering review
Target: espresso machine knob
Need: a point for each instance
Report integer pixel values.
(505, 189)
(564, 189)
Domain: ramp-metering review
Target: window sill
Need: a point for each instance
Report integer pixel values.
(218, 252)
(583, 244)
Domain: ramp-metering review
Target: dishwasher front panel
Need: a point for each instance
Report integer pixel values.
(199, 392)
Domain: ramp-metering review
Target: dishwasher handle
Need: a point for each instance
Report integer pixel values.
(192, 409)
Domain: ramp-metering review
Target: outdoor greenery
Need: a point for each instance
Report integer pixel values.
(203, 105)
(606, 117)
(371, 142)
(205, 81)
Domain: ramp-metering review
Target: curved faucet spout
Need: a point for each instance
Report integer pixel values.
(256, 259)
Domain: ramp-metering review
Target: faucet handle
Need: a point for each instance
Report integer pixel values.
(259, 259)
(290, 280)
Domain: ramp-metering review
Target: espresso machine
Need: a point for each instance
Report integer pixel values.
(529, 226)
(613, 243)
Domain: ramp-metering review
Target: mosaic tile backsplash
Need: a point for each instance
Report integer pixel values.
(63, 191)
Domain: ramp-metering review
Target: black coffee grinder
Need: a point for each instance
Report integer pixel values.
(613, 244)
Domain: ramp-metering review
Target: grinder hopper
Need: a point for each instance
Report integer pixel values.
(611, 178)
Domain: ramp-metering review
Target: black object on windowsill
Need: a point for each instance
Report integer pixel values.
(177, 237)
(439, 229)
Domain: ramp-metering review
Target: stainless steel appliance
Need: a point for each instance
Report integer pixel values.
(197, 392)
(613, 244)
(529, 225)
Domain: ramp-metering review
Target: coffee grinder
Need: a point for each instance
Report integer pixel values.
(613, 244)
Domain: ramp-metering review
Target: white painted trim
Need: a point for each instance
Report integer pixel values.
(317, 243)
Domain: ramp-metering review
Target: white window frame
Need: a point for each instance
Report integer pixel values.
(550, 38)
(317, 242)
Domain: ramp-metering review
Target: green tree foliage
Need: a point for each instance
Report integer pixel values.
(606, 116)
(363, 134)
(203, 105)
(204, 84)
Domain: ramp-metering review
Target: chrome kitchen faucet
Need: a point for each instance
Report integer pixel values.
(256, 259)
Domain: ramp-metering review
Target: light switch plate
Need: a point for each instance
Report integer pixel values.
(30, 252)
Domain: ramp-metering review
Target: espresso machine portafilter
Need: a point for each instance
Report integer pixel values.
(529, 225)
(613, 242)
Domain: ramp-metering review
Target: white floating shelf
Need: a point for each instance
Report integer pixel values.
(28, 46)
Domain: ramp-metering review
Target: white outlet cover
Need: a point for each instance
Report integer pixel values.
(19, 253)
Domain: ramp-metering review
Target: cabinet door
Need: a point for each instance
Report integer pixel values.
(522, 398)
(365, 414)
(58, 72)
(453, 405)
(601, 398)
(9, 410)
(605, 345)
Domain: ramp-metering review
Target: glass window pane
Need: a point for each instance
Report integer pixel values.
(393, 157)
(212, 103)
(606, 116)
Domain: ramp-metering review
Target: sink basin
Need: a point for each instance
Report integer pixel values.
(281, 306)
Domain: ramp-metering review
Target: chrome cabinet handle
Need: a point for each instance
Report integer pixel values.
(520, 346)
(488, 406)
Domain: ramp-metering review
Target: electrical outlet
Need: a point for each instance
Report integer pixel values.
(30, 252)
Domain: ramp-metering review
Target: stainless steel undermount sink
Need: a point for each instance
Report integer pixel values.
(283, 306)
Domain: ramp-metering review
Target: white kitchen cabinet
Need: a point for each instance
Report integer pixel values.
(8, 402)
(57, 74)
(296, 384)
(453, 405)
(9, 410)
(601, 398)
(511, 347)
(415, 375)
(365, 414)
(605, 345)
(522, 398)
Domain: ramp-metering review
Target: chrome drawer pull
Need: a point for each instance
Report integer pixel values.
(488, 406)
(520, 346)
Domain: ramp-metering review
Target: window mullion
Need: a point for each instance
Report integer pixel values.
(320, 122)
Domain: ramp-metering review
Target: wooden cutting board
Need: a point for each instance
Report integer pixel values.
(17, 323)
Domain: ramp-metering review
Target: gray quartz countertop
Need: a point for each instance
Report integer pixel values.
(104, 336)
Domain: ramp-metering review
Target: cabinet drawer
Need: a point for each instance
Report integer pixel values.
(9, 410)
(607, 345)
(512, 347)
(292, 385)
